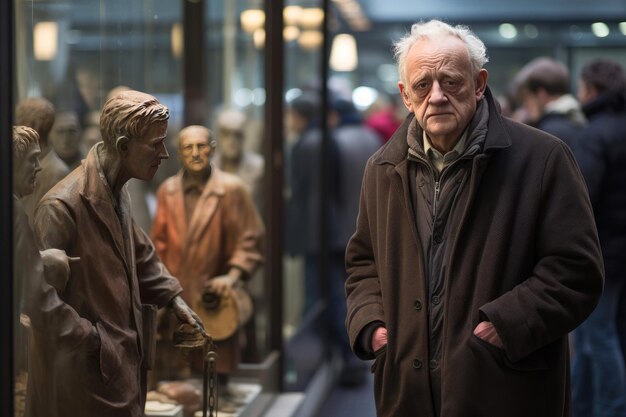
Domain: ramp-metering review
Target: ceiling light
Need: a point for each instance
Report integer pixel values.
(258, 37)
(291, 33)
(291, 15)
(507, 31)
(46, 40)
(311, 18)
(343, 53)
(177, 42)
(531, 31)
(600, 29)
(310, 39)
(252, 19)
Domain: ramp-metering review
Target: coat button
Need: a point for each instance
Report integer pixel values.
(436, 300)
(417, 304)
(433, 364)
(417, 364)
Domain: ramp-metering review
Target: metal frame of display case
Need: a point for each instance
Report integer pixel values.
(6, 213)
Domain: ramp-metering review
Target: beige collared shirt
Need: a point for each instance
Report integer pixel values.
(439, 160)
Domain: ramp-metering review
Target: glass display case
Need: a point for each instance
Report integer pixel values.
(206, 62)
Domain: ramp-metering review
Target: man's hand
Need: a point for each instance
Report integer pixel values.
(56, 267)
(220, 284)
(487, 332)
(379, 338)
(186, 314)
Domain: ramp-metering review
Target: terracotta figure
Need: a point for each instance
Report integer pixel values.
(97, 364)
(208, 232)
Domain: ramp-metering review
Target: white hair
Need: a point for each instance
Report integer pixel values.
(436, 28)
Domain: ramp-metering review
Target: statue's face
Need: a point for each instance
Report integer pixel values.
(65, 136)
(196, 151)
(231, 142)
(25, 171)
(146, 153)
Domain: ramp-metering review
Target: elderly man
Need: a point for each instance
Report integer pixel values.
(98, 364)
(208, 233)
(475, 251)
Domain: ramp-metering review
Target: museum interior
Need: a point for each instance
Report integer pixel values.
(260, 76)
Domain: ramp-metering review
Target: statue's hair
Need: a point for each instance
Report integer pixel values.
(432, 30)
(36, 113)
(129, 114)
(23, 138)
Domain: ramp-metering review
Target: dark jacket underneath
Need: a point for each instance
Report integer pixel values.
(525, 256)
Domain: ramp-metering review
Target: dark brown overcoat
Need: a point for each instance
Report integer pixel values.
(118, 271)
(525, 257)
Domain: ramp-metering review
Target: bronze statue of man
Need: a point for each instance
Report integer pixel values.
(97, 363)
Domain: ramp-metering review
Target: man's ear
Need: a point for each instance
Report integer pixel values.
(481, 83)
(405, 97)
(121, 144)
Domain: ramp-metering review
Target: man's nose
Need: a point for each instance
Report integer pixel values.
(437, 94)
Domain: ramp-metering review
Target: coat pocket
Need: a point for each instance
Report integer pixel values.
(110, 362)
(379, 356)
(533, 362)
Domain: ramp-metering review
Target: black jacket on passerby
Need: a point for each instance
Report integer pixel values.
(601, 154)
(561, 126)
(562, 118)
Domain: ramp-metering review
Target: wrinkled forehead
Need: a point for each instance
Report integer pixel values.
(193, 136)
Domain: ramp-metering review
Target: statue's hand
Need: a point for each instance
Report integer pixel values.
(185, 314)
(56, 267)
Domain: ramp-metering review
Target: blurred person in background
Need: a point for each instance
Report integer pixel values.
(598, 376)
(385, 116)
(475, 251)
(304, 204)
(543, 89)
(355, 144)
(66, 138)
(38, 113)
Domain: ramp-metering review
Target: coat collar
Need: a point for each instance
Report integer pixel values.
(115, 215)
(212, 193)
(396, 150)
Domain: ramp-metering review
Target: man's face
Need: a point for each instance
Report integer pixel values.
(440, 88)
(65, 135)
(231, 142)
(195, 151)
(25, 171)
(145, 153)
